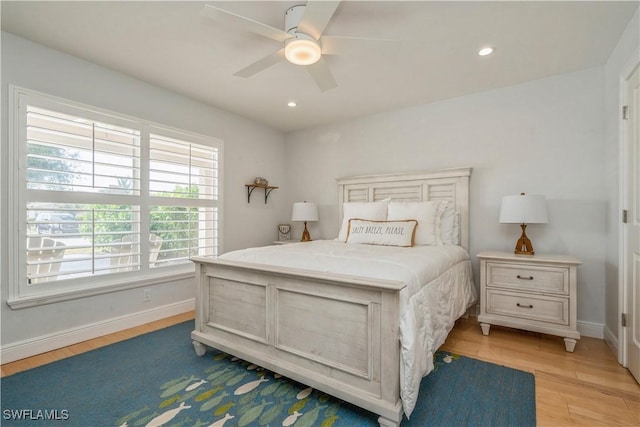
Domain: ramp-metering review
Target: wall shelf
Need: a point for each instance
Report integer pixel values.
(267, 190)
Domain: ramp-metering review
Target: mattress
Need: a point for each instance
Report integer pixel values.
(439, 289)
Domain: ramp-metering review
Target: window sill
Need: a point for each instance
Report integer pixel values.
(71, 294)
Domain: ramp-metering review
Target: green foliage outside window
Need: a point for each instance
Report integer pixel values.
(49, 166)
(176, 226)
(107, 222)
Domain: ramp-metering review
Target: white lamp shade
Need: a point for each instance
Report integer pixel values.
(304, 211)
(523, 209)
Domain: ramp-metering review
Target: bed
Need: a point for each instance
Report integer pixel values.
(360, 322)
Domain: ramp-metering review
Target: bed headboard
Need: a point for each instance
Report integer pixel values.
(443, 184)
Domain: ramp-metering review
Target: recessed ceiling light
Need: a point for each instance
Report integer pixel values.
(291, 104)
(485, 51)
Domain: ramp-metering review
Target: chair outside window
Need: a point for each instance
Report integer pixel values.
(155, 243)
(44, 257)
(124, 258)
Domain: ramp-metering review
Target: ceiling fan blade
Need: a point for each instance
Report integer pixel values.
(261, 64)
(322, 75)
(336, 45)
(244, 23)
(316, 17)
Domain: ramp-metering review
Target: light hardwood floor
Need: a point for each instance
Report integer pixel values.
(584, 388)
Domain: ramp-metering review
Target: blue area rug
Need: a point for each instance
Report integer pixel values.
(156, 379)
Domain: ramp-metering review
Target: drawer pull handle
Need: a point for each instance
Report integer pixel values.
(524, 277)
(524, 306)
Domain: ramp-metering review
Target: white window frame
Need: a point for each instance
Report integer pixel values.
(22, 295)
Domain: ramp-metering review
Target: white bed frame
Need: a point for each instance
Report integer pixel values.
(336, 333)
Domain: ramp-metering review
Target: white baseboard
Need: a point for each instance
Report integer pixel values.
(44, 343)
(591, 329)
(612, 341)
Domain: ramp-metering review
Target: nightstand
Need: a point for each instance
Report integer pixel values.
(535, 293)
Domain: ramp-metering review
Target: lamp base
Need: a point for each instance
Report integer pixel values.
(306, 237)
(523, 245)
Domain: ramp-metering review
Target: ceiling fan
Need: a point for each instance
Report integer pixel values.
(302, 37)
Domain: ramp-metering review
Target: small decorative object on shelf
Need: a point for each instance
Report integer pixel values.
(259, 182)
(284, 232)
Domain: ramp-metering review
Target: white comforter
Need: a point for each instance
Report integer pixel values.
(439, 290)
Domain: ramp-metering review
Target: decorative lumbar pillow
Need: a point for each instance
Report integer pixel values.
(428, 214)
(375, 211)
(387, 233)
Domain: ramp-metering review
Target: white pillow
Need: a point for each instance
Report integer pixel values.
(376, 211)
(428, 214)
(387, 233)
(449, 226)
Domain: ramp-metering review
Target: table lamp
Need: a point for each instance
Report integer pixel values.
(304, 211)
(523, 209)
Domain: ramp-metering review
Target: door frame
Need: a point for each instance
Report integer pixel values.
(625, 180)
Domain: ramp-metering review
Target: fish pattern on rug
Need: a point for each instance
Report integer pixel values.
(234, 392)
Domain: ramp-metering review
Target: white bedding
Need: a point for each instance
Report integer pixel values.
(439, 290)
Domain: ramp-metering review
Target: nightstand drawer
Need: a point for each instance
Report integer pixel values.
(528, 306)
(540, 279)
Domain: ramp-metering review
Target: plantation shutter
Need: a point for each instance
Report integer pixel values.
(84, 189)
(79, 173)
(183, 188)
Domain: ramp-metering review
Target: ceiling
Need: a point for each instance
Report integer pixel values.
(432, 55)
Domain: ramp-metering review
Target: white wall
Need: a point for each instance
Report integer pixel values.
(250, 150)
(543, 137)
(623, 59)
(546, 137)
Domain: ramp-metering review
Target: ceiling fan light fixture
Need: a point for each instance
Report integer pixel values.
(302, 50)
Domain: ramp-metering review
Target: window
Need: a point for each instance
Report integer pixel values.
(104, 196)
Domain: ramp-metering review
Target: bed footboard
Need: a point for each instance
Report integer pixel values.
(338, 334)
